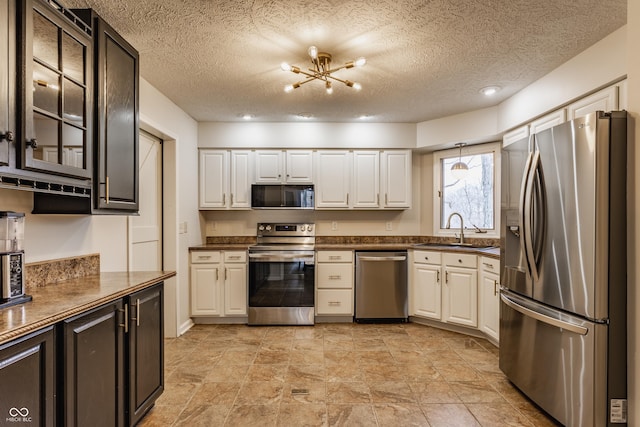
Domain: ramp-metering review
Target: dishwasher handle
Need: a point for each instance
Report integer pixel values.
(382, 258)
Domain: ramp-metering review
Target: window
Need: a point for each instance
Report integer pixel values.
(474, 197)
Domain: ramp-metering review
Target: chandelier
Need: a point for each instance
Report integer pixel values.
(322, 71)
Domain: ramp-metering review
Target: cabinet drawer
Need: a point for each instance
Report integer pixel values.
(235, 256)
(335, 275)
(490, 264)
(335, 256)
(460, 260)
(199, 257)
(334, 301)
(427, 257)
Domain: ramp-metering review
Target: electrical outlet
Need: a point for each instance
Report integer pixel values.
(389, 226)
(334, 225)
(182, 228)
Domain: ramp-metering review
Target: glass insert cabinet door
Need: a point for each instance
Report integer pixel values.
(55, 92)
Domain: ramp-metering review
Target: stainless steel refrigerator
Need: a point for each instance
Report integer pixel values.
(563, 269)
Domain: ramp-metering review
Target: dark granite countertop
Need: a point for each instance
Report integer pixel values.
(492, 251)
(62, 300)
(221, 247)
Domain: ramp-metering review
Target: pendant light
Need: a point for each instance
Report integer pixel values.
(459, 169)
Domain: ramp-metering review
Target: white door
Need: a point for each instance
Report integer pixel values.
(146, 229)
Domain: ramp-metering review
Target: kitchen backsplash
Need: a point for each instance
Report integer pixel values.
(43, 273)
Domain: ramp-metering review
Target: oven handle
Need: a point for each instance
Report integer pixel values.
(276, 256)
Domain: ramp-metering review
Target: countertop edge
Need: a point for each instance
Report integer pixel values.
(493, 252)
(24, 330)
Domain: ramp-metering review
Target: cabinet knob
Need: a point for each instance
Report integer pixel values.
(33, 143)
(8, 136)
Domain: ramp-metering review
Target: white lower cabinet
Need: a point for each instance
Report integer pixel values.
(426, 287)
(445, 287)
(489, 297)
(460, 295)
(334, 283)
(218, 283)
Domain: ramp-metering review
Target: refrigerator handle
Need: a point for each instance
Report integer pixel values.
(543, 318)
(527, 230)
(522, 213)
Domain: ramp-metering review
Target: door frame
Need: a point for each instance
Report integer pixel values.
(170, 251)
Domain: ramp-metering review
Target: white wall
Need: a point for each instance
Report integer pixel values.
(317, 135)
(633, 283)
(162, 117)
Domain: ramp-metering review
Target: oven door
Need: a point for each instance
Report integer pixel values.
(281, 287)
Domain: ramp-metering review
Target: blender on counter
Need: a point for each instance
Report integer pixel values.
(12, 258)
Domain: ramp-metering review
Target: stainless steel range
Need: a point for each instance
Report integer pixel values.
(282, 275)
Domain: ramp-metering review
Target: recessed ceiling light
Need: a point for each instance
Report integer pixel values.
(305, 116)
(364, 116)
(247, 116)
(489, 90)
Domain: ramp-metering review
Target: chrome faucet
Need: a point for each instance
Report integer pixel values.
(461, 226)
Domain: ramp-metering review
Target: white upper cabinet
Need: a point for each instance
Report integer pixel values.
(395, 179)
(366, 179)
(240, 182)
(333, 179)
(363, 179)
(213, 173)
(548, 121)
(515, 135)
(225, 179)
(278, 166)
(604, 100)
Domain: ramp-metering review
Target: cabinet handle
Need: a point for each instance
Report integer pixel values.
(225, 274)
(386, 199)
(125, 323)
(460, 261)
(33, 143)
(8, 136)
(204, 256)
(137, 318)
(495, 287)
(347, 198)
(335, 257)
(106, 185)
(335, 277)
(334, 302)
(426, 258)
(224, 198)
(231, 199)
(488, 265)
(217, 276)
(438, 276)
(234, 256)
(446, 277)
(378, 199)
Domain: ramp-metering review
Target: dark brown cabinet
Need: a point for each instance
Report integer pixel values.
(54, 91)
(116, 127)
(27, 380)
(146, 355)
(93, 378)
(113, 361)
(7, 71)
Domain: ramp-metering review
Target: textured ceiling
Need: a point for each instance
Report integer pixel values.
(425, 58)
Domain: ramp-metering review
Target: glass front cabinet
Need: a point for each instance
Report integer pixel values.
(54, 91)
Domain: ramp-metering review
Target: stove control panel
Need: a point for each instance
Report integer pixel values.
(286, 230)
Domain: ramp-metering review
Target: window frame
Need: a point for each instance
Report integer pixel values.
(485, 148)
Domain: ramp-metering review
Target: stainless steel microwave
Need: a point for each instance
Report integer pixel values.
(282, 196)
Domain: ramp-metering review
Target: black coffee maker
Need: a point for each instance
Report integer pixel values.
(12, 258)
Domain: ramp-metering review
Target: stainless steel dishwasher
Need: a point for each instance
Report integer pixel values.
(381, 286)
